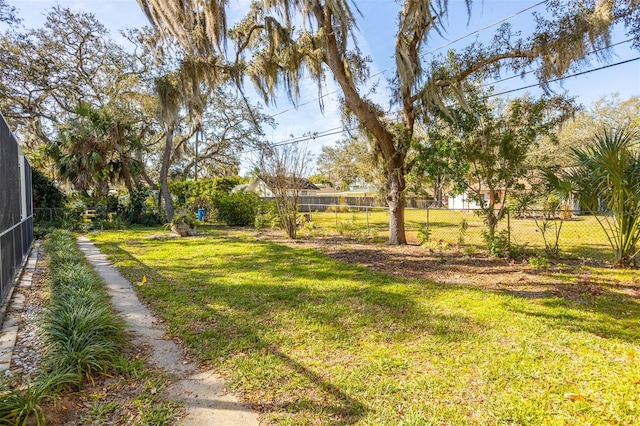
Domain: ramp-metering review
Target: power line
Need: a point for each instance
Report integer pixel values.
(339, 130)
(423, 54)
(323, 134)
(530, 71)
(567, 76)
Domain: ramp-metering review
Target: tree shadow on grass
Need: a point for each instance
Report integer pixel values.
(309, 301)
(607, 315)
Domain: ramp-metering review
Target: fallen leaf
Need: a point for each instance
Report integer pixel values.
(574, 397)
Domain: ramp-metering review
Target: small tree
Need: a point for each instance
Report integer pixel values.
(494, 141)
(607, 179)
(282, 169)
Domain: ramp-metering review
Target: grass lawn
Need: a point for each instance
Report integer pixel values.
(309, 340)
(580, 236)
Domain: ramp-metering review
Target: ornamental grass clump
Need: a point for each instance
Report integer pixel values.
(81, 331)
(83, 336)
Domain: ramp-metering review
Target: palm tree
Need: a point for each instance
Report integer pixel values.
(607, 180)
(96, 148)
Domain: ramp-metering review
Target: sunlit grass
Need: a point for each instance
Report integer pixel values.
(309, 340)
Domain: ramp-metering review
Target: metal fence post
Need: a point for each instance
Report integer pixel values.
(508, 226)
(367, 211)
(427, 220)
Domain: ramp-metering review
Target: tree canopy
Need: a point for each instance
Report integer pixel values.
(91, 112)
(275, 43)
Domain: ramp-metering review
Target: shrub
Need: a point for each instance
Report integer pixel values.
(267, 217)
(347, 227)
(45, 192)
(237, 209)
(424, 234)
(191, 195)
(500, 245)
(462, 231)
(538, 262)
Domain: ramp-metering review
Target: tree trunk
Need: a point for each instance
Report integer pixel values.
(164, 175)
(492, 223)
(396, 202)
(370, 120)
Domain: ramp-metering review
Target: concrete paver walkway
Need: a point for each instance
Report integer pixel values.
(9, 327)
(202, 392)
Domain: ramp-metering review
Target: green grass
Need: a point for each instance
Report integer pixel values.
(580, 236)
(309, 340)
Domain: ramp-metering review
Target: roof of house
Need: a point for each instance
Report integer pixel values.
(299, 183)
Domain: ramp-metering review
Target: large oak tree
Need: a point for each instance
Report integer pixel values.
(279, 40)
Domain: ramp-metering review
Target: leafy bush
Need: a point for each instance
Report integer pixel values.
(192, 195)
(424, 234)
(500, 245)
(45, 192)
(237, 209)
(268, 217)
(363, 235)
(538, 262)
(347, 227)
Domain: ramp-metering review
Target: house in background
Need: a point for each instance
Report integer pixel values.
(467, 201)
(264, 186)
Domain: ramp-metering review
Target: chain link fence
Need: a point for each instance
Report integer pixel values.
(16, 215)
(547, 232)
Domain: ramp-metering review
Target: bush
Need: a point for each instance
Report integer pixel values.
(424, 234)
(347, 227)
(45, 192)
(192, 195)
(500, 246)
(237, 209)
(268, 217)
(539, 262)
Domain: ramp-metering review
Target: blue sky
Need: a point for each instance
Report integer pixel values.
(376, 40)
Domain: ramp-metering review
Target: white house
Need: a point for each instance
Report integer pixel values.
(262, 185)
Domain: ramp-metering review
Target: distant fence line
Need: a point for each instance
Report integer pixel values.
(16, 214)
(319, 202)
(578, 235)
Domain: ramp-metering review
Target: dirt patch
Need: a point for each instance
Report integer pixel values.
(449, 266)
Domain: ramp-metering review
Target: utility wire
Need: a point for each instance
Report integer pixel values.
(530, 71)
(339, 130)
(422, 54)
(567, 76)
